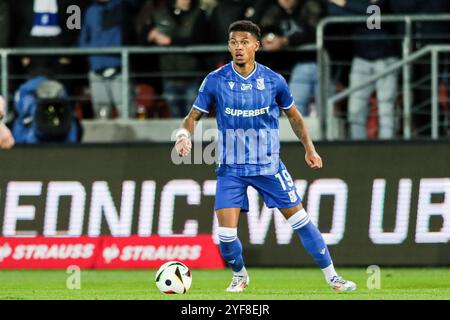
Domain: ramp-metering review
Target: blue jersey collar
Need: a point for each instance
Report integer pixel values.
(247, 77)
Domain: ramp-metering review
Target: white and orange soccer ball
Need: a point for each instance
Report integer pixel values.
(173, 277)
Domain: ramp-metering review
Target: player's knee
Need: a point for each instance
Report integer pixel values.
(227, 234)
(299, 219)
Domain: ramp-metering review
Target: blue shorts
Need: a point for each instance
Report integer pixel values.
(278, 191)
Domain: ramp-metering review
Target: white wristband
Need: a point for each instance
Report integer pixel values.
(182, 132)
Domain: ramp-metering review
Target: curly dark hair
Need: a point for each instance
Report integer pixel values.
(246, 26)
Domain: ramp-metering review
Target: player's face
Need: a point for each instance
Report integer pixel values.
(243, 46)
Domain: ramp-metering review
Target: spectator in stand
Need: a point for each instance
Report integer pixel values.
(293, 23)
(180, 23)
(5, 27)
(5, 24)
(208, 5)
(107, 23)
(41, 24)
(6, 138)
(427, 32)
(226, 12)
(144, 19)
(424, 33)
(370, 56)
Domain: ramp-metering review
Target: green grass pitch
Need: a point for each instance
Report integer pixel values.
(267, 283)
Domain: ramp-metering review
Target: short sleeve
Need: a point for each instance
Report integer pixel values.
(284, 96)
(205, 97)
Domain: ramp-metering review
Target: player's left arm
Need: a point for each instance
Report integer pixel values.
(312, 158)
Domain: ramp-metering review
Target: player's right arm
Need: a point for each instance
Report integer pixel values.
(2, 107)
(6, 137)
(183, 143)
(205, 98)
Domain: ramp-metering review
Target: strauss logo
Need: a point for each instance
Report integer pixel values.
(5, 251)
(110, 253)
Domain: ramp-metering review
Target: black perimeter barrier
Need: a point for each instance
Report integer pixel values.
(375, 202)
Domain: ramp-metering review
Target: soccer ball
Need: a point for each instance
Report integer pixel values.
(173, 277)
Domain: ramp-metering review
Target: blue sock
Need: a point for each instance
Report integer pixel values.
(231, 248)
(232, 253)
(314, 243)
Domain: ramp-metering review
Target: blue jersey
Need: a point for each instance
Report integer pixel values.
(247, 111)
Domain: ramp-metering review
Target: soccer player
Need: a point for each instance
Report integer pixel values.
(6, 138)
(247, 97)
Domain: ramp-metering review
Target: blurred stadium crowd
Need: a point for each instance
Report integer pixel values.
(164, 85)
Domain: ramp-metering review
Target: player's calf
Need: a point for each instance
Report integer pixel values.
(231, 250)
(314, 243)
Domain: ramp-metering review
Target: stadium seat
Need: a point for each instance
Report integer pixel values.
(149, 104)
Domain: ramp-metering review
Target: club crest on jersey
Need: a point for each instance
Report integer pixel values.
(231, 84)
(260, 84)
(246, 86)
